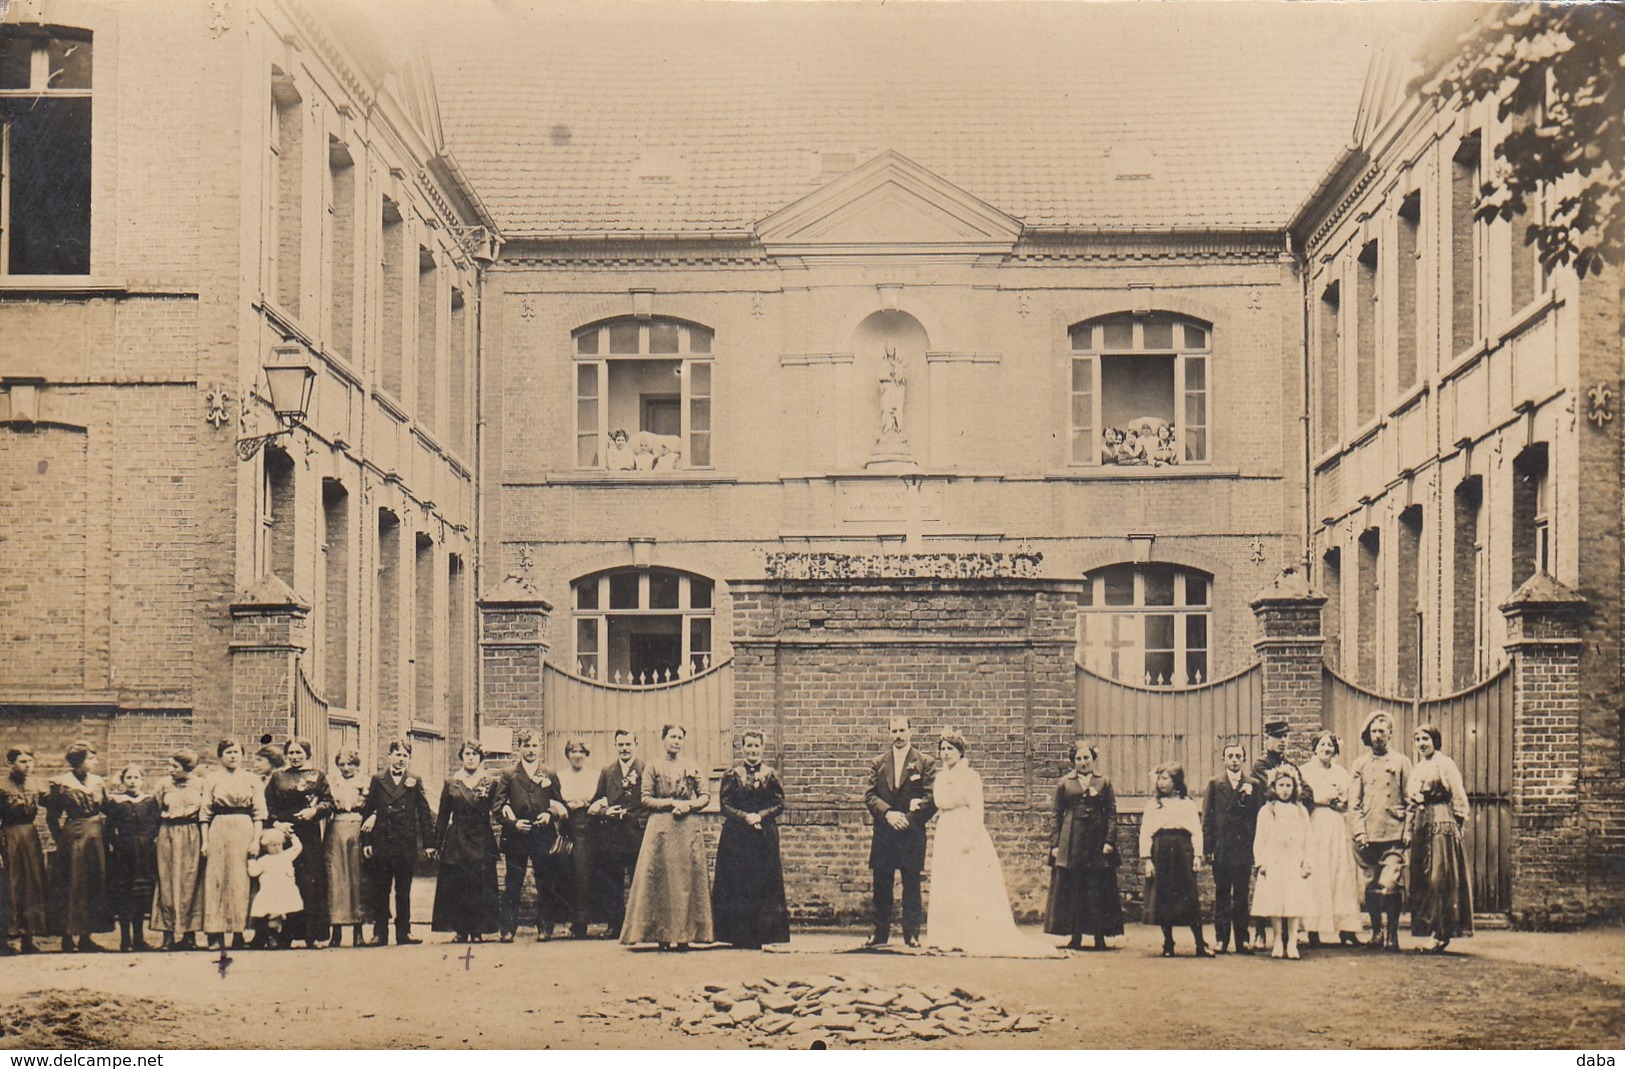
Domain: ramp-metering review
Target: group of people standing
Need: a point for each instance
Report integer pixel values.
(282, 850)
(1304, 851)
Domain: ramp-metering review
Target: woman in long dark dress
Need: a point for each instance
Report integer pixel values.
(1171, 844)
(298, 796)
(578, 784)
(132, 856)
(670, 900)
(1083, 897)
(1441, 888)
(74, 808)
(465, 890)
(747, 898)
(22, 885)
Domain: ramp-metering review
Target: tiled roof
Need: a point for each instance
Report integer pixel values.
(684, 118)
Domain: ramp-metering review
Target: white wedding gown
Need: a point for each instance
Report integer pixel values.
(970, 907)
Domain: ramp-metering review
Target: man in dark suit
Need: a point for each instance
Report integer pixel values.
(529, 806)
(899, 799)
(396, 826)
(617, 817)
(1229, 819)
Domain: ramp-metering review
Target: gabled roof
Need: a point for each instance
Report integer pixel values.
(890, 200)
(697, 119)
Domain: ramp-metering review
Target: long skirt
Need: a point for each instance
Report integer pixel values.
(346, 886)
(310, 876)
(465, 897)
(578, 871)
(178, 907)
(1441, 886)
(670, 900)
(1334, 876)
(132, 872)
(1170, 896)
(80, 878)
(22, 892)
(225, 873)
(1083, 901)
(747, 900)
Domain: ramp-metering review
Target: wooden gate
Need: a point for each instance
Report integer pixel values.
(592, 710)
(1477, 728)
(1139, 728)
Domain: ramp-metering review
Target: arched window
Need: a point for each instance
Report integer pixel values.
(1139, 390)
(643, 625)
(1146, 624)
(643, 395)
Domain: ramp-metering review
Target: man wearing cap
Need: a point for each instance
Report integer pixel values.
(1380, 819)
(1273, 758)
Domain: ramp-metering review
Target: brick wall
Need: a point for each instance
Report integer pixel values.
(820, 666)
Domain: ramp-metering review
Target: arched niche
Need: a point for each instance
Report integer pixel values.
(907, 338)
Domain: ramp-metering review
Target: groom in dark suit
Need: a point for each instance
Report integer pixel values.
(899, 799)
(396, 825)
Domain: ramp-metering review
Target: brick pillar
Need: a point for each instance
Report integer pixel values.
(1544, 620)
(1290, 645)
(513, 649)
(270, 629)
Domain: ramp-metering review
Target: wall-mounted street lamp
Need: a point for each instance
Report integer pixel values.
(292, 381)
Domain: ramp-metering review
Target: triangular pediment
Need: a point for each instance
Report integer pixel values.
(889, 204)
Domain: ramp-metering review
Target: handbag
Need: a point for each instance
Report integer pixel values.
(563, 846)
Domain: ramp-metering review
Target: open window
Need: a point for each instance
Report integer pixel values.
(643, 395)
(1139, 390)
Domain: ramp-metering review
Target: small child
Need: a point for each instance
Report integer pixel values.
(1171, 844)
(276, 895)
(1281, 858)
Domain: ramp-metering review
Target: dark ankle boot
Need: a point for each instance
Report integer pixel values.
(88, 945)
(337, 938)
(1100, 942)
(138, 934)
(1167, 941)
(167, 942)
(1221, 938)
(1201, 944)
(123, 935)
(1393, 930)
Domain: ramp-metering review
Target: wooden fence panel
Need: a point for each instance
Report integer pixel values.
(1139, 728)
(1476, 725)
(592, 710)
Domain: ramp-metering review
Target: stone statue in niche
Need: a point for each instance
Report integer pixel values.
(891, 447)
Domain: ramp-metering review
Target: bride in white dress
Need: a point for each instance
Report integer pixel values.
(970, 907)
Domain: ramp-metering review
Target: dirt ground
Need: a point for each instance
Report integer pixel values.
(1505, 989)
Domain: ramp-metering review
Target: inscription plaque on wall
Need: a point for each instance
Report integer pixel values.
(871, 502)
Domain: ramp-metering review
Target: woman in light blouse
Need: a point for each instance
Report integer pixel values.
(178, 909)
(346, 884)
(233, 810)
(1171, 844)
(578, 784)
(1441, 888)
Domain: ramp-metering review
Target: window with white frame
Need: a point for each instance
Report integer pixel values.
(44, 152)
(643, 395)
(1139, 390)
(643, 626)
(1146, 624)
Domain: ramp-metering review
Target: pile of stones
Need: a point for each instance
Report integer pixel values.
(832, 1008)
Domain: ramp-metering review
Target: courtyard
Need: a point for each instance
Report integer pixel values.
(1504, 989)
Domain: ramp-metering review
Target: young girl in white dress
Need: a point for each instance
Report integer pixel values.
(1281, 859)
(970, 906)
(277, 894)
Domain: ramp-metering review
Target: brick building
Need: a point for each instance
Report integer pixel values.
(196, 191)
(836, 364)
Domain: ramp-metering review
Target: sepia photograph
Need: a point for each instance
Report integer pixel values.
(848, 525)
